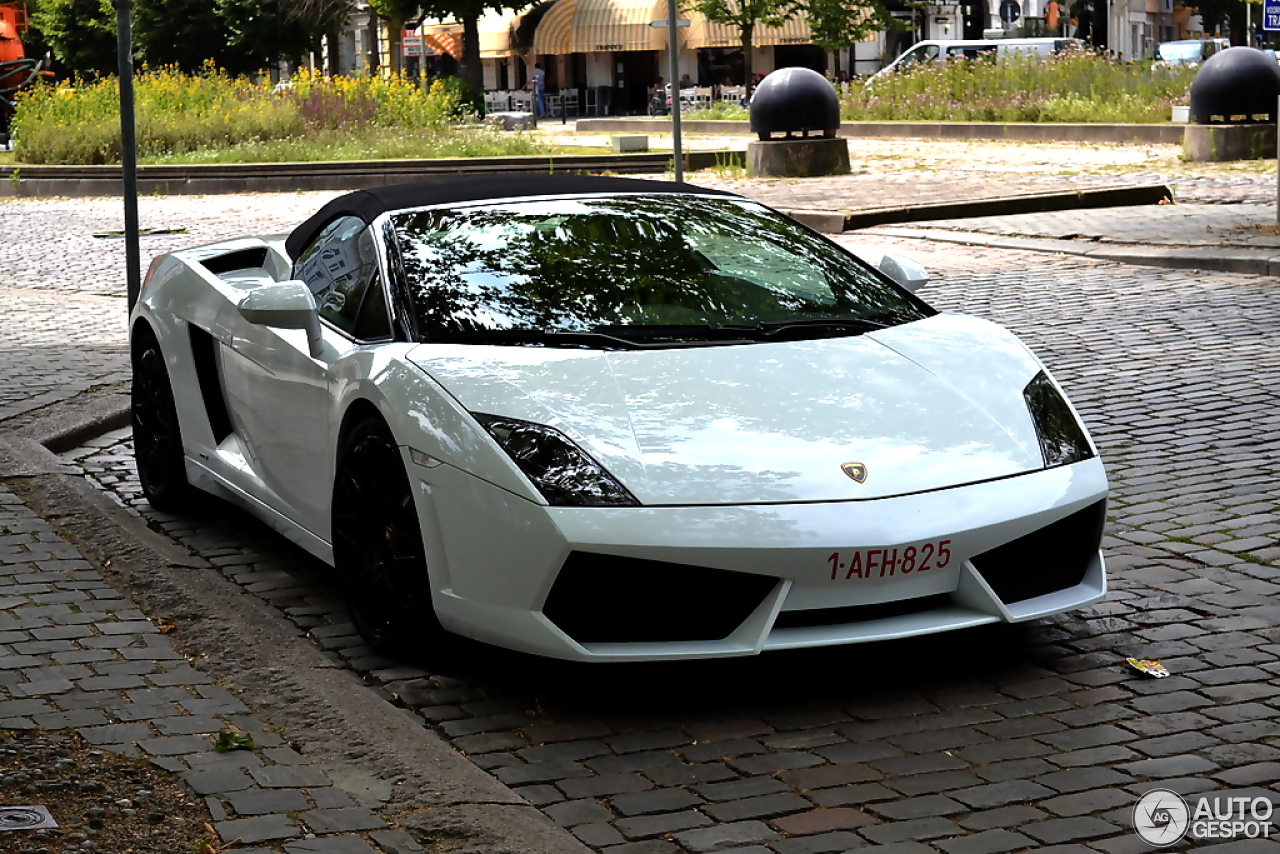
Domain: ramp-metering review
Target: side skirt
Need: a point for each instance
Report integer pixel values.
(202, 478)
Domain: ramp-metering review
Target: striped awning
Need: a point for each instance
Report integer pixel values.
(449, 43)
(591, 26)
(495, 28)
(703, 33)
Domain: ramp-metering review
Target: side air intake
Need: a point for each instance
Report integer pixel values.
(204, 351)
(1053, 558)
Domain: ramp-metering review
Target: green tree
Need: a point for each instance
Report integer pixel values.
(1217, 15)
(745, 16)
(468, 13)
(183, 33)
(240, 36)
(837, 24)
(395, 13)
(258, 32)
(321, 20)
(834, 23)
(82, 33)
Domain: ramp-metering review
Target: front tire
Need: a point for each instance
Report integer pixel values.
(377, 544)
(157, 435)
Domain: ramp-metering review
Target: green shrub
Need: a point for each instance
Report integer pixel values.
(1075, 87)
(214, 117)
(718, 110)
(464, 102)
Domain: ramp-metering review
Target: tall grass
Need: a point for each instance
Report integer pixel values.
(1075, 87)
(717, 110)
(214, 117)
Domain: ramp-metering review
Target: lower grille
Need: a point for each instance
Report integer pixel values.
(609, 599)
(859, 613)
(1053, 558)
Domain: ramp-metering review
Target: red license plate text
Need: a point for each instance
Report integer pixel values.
(886, 563)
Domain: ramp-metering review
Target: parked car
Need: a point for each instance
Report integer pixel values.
(935, 49)
(1189, 51)
(610, 419)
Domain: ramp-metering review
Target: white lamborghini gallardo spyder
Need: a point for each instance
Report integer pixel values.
(612, 419)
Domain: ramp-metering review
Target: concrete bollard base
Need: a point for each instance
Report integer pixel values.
(512, 121)
(1229, 142)
(630, 142)
(798, 158)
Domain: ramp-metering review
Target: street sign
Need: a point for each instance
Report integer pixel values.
(411, 46)
(1271, 15)
(1010, 11)
(683, 22)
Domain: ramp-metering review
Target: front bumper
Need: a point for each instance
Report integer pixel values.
(648, 583)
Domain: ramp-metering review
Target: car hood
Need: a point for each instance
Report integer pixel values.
(922, 406)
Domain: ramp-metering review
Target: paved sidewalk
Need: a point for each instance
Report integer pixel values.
(1193, 555)
(1194, 225)
(1024, 739)
(76, 654)
(1222, 238)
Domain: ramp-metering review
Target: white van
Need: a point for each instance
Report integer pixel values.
(1189, 51)
(928, 51)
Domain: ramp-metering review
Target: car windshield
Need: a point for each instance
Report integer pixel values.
(643, 270)
(1180, 53)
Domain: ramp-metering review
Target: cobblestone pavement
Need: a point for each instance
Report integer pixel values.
(58, 345)
(55, 243)
(75, 653)
(1015, 738)
(897, 171)
(1245, 225)
(989, 741)
(73, 258)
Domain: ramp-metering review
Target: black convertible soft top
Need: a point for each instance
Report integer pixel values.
(369, 204)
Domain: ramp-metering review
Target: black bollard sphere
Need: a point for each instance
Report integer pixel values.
(1238, 85)
(795, 101)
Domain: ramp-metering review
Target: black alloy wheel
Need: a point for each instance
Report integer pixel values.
(377, 545)
(157, 435)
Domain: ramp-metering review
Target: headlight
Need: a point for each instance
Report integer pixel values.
(1062, 440)
(561, 471)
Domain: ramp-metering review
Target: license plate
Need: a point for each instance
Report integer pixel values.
(886, 563)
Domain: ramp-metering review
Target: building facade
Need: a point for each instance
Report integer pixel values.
(613, 51)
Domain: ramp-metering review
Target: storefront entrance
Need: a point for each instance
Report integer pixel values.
(720, 66)
(634, 72)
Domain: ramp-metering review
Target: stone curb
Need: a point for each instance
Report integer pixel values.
(220, 178)
(1214, 258)
(1170, 134)
(344, 730)
(834, 222)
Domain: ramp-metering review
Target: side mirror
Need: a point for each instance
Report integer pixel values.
(905, 271)
(287, 305)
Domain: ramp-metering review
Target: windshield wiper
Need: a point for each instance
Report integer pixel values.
(681, 334)
(595, 339)
(773, 327)
(545, 337)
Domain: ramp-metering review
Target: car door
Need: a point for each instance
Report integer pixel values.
(281, 397)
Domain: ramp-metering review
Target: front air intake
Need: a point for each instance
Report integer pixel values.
(600, 598)
(819, 617)
(1052, 558)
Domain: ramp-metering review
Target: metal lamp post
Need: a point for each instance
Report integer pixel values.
(128, 149)
(672, 22)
